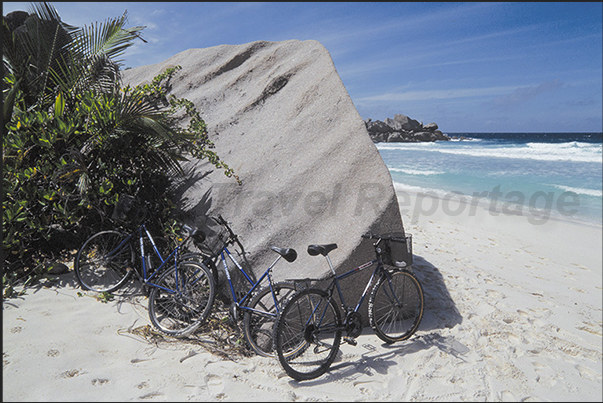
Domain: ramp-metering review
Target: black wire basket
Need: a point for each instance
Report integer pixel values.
(215, 238)
(123, 208)
(397, 249)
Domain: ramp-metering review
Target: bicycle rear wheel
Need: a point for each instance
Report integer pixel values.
(396, 306)
(307, 334)
(182, 300)
(103, 263)
(258, 325)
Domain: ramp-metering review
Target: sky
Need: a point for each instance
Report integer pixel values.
(469, 67)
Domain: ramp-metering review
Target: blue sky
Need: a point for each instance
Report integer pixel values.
(469, 67)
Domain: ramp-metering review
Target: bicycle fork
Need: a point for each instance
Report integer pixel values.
(390, 293)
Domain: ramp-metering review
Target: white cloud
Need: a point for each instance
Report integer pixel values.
(523, 94)
(437, 94)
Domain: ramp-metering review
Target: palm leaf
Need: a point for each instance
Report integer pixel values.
(109, 40)
(38, 47)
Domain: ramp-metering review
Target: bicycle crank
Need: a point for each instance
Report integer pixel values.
(309, 333)
(353, 324)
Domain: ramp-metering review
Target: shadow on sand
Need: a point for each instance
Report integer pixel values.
(440, 309)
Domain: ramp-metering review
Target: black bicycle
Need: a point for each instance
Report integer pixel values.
(308, 332)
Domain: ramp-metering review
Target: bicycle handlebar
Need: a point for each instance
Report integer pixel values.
(380, 237)
(220, 220)
(223, 222)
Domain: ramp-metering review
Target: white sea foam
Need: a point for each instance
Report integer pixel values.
(404, 146)
(425, 172)
(572, 151)
(588, 192)
(401, 187)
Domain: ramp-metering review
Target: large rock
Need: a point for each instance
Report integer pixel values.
(281, 117)
(406, 123)
(403, 129)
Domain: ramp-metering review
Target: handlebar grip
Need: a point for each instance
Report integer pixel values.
(369, 236)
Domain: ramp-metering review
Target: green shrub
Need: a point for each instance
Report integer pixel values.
(70, 150)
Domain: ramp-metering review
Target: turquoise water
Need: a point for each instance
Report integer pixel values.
(558, 172)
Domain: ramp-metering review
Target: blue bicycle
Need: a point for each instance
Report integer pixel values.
(182, 287)
(259, 305)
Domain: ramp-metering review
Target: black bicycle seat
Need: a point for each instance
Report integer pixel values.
(197, 234)
(314, 250)
(289, 254)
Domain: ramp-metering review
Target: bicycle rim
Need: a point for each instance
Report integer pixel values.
(396, 307)
(307, 334)
(179, 308)
(100, 266)
(259, 326)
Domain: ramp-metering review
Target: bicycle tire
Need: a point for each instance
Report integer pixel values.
(99, 266)
(396, 319)
(204, 259)
(307, 334)
(258, 327)
(179, 309)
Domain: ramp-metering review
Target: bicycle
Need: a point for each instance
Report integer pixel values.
(308, 332)
(107, 260)
(260, 306)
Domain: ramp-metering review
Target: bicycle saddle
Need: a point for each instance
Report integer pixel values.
(289, 254)
(197, 234)
(314, 250)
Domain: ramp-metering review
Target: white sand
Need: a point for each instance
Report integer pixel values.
(513, 313)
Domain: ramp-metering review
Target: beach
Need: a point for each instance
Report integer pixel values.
(513, 312)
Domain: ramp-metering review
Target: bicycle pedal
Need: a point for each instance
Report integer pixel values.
(350, 341)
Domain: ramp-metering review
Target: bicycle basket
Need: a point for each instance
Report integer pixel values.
(122, 207)
(397, 249)
(215, 238)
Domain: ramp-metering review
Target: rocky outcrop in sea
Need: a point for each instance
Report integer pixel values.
(403, 129)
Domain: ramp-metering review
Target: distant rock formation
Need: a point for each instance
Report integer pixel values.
(280, 116)
(403, 129)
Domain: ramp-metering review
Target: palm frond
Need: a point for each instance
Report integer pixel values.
(44, 39)
(46, 11)
(110, 39)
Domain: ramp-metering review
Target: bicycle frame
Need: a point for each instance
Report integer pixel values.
(145, 278)
(267, 273)
(231, 240)
(379, 271)
(335, 282)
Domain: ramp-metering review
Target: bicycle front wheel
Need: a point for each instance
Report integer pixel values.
(307, 334)
(260, 316)
(182, 299)
(104, 262)
(396, 306)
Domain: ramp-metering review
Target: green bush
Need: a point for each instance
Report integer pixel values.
(70, 150)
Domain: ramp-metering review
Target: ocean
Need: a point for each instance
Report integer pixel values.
(551, 174)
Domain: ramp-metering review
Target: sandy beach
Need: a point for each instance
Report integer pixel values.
(513, 313)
